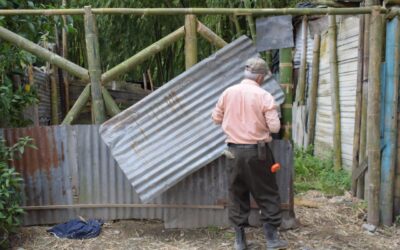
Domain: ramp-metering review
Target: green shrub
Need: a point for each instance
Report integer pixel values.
(313, 173)
(10, 188)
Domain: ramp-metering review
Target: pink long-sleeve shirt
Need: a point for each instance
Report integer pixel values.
(247, 113)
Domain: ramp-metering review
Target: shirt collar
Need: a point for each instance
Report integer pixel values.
(249, 81)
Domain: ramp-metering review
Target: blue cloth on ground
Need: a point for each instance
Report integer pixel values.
(77, 229)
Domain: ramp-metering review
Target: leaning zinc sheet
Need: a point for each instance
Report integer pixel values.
(169, 134)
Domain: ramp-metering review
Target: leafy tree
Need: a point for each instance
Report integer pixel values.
(13, 61)
(10, 188)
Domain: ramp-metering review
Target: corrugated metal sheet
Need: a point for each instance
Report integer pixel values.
(212, 181)
(72, 166)
(169, 134)
(348, 34)
(41, 84)
(300, 112)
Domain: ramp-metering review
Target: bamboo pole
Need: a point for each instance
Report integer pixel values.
(196, 11)
(357, 119)
(43, 53)
(190, 41)
(334, 78)
(35, 107)
(239, 30)
(389, 148)
(54, 94)
(210, 36)
(392, 2)
(250, 21)
(65, 55)
(143, 55)
(303, 64)
(286, 79)
(111, 107)
(79, 104)
(364, 104)
(93, 54)
(314, 90)
(150, 80)
(373, 126)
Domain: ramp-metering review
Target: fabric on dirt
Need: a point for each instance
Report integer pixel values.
(77, 229)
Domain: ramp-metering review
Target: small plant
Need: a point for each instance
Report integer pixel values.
(316, 173)
(10, 188)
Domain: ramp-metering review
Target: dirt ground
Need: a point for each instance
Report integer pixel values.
(325, 223)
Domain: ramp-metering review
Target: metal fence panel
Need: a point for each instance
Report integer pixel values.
(72, 166)
(169, 134)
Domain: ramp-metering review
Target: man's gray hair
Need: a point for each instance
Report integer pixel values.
(251, 76)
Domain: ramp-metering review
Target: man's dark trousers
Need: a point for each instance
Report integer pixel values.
(248, 174)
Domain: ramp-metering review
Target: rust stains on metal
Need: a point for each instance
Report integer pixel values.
(41, 159)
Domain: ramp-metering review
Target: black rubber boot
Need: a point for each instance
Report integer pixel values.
(240, 239)
(272, 237)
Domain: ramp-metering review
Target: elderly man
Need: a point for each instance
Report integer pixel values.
(248, 115)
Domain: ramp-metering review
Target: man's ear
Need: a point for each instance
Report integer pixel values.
(260, 79)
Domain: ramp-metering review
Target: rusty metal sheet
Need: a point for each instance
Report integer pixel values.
(74, 167)
(169, 134)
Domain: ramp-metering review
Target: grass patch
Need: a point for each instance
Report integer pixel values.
(313, 173)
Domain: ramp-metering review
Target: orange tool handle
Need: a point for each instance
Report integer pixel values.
(275, 168)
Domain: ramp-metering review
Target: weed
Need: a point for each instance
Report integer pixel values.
(313, 173)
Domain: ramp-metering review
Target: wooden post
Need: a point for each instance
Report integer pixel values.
(357, 119)
(210, 36)
(54, 94)
(303, 64)
(143, 55)
(364, 103)
(65, 55)
(373, 126)
(79, 104)
(111, 107)
(314, 90)
(334, 77)
(93, 54)
(250, 21)
(34, 108)
(286, 79)
(190, 41)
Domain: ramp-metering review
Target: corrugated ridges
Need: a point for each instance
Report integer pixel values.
(169, 134)
(348, 34)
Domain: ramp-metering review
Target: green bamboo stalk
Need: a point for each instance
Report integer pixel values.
(303, 65)
(392, 2)
(43, 53)
(334, 77)
(357, 119)
(93, 55)
(373, 126)
(111, 107)
(143, 55)
(210, 36)
(239, 30)
(286, 81)
(314, 90)
(190, 41)
(78, 106)
(250, 21)
(196, 11)
(65, 56)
